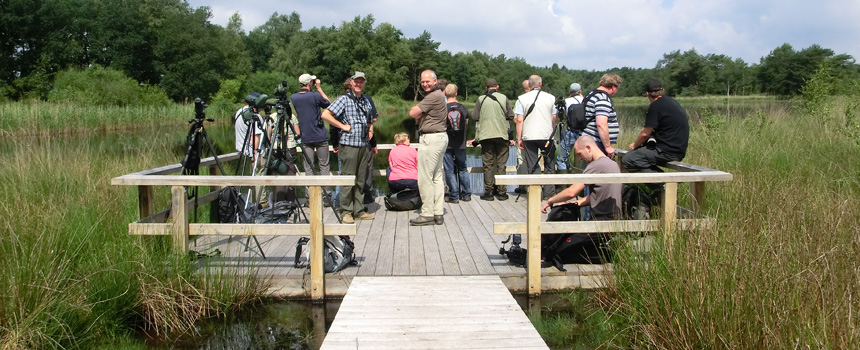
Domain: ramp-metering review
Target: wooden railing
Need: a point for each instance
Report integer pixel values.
(180, 228)
(669, 221)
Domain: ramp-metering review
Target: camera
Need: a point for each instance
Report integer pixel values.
(199, 106)
(281, 90)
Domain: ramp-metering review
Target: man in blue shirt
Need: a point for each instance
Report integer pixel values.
(353, 114)
(307, 105)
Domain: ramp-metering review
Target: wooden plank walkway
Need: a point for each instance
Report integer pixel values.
(387, 246)
(430, 312)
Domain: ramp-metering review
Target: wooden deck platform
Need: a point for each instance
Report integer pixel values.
(387, 246)
(430, 312)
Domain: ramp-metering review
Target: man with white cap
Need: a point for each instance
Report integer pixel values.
(307, 105)
(569, 136)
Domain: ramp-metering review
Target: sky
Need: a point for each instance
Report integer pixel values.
(592, 35)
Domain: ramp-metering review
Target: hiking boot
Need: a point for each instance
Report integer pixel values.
(439, 219)
(347, 218)
(521, 190)
(467, 198)
(502, 196)
(369, 199)
(423, 221)
(487, 196)
(365, 216)
(452, 201)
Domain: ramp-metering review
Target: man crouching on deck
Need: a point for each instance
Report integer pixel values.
(604, 199)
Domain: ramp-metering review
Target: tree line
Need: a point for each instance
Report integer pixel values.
(170, 45)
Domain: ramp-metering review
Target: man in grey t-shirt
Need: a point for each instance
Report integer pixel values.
(604, 199)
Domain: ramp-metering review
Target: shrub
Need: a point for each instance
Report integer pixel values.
(102, 86)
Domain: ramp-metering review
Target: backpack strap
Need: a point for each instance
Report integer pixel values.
(490, 95)
(532, 107)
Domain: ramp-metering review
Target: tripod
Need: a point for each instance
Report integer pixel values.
(191, 161)
(252, 122)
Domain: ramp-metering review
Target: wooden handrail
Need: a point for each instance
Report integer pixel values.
(534, 228)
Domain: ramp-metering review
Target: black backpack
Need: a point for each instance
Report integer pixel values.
(231, 206)
(403, 200)
(572, 248)
(576, 119)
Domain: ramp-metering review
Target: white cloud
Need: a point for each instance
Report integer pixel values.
(588, 35)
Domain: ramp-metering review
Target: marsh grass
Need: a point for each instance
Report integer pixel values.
(780, 269)
(71, 276)
(40, 116)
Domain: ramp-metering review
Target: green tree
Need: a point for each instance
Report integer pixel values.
(265, 40)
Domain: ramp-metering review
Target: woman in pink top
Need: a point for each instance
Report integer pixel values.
(403, 165)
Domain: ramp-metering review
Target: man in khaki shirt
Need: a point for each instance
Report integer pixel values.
(430, 114)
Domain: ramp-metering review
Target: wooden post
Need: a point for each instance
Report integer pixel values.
(180, 219)
(533, 231)
(144, 201)
(697, 190)
(316, 244)
(670, 204)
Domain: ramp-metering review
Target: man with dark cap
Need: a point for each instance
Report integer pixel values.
(492, 114)
(568, 137)
(665, 135)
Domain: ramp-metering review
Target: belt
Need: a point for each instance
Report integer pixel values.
(432, 132)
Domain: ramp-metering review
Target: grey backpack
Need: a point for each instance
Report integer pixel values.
(338, 251)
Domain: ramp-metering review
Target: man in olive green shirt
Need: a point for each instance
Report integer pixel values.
(431, 114)
(493, 112)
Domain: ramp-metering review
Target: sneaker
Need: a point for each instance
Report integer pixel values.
(365, 216)
(423, 221)
(487, 196)
(467, 198)
(439, 219)
(452, 201)
(326, 201)
(347, 219)
(502, 196)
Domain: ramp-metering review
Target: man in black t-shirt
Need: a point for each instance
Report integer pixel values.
(454, 160)
(665, 135)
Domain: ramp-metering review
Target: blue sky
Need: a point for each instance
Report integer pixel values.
(586, 34)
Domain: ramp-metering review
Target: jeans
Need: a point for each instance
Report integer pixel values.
(456, 174)
(568, 138)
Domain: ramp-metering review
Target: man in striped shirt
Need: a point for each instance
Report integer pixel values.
(601, 116)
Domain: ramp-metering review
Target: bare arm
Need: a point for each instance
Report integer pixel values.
(320, 90)
(328, 117)
(563, 196)
(602, 122)
(642, 137)
(415, 112)
(519, 122)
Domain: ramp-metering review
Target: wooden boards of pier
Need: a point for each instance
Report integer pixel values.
(430, 312)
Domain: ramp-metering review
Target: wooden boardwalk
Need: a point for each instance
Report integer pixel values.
(430, 312)
(388, 246)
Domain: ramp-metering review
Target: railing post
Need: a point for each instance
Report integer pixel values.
(534, 236)
(144, 201)
(670, 215)
(316, 243)
(180, 219)
(697, 190)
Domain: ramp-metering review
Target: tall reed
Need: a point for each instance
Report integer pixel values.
(780, 270)
(71, 276)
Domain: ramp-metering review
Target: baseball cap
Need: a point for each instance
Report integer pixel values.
(358, 75)
(492, 82)
(575, 87)
(653, 85)
(306, 78)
